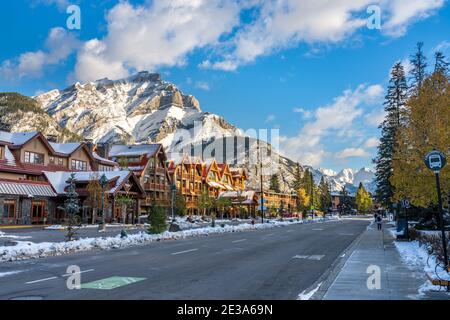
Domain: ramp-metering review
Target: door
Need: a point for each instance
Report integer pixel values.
(37, 212)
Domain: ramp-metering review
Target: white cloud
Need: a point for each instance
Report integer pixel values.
(270, 118)
(335, 119)
(442, 46)
(286, 23)
(58, 46)
(352, 152)
(401, 13)
(372, 142)
(160, 33)
(306, 113)
(203, 85)
(375, 117)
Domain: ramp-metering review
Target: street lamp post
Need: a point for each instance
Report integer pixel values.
(173, 189)
(103, 182)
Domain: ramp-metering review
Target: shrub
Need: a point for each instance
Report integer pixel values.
(157, 219)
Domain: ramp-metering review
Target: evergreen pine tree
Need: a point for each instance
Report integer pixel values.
(325, 196)
(298, 180)
(441, 65)
(157, 219)
(394, 105)
(274, 183)
(418, 71)
(71, 208)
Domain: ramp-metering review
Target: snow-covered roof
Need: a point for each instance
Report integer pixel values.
(247, 195)
(97, 157)
(134, 150)
(65, 148)
(17, 138)
(58, 179)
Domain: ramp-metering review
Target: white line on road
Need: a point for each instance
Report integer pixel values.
(70, 274)
(343, 255)
(235, 241)
(41, 280)
(317, 229)
(346, 234)
(185, 251)
(270, 234)
(316, 257)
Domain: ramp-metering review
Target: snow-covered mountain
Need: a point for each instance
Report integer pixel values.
(349, 178)
(140, 108)
(144, 108)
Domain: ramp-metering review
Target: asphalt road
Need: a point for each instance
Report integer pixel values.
(277, 263)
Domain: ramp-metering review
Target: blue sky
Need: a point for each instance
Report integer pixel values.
(314, 71)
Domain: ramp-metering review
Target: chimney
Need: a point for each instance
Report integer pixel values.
(90, 145)
(103, 149)
(52, 138)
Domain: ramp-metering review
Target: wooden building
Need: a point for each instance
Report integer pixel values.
(26, 197)
(186, 174)
(148, 163)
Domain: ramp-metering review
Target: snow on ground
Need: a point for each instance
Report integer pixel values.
(416, 257)
(27, 250)
(307, 295)
(10, 273)
(4, 235)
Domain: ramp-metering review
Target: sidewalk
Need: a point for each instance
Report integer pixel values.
(375, 247)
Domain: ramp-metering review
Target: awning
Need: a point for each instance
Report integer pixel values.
(26, 189)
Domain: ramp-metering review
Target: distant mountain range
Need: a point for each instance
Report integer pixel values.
(144, 108)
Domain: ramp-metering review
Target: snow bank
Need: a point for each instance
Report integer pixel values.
(27, 250)
(416, 257)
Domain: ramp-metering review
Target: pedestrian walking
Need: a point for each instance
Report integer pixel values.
(379, 222)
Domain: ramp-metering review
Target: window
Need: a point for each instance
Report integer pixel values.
(79, 165)
(9, 209)
(51, 160)
(1, 152)
(35, 158)
(60, 161)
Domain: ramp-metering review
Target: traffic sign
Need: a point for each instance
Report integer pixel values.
(435, 160)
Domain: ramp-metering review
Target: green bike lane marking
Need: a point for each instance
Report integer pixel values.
(111, 283)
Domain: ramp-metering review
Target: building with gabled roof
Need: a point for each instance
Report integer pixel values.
(149, 163)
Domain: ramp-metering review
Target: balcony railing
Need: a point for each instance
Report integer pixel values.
(156, 187)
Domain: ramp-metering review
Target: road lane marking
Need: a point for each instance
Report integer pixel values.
(185, 251)
(41, 280)
(317, 229)
(343, 255)
(235, 241)
(315, 257)
(346, 234)
(270, 234)
(299, 257)
(70, 274)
